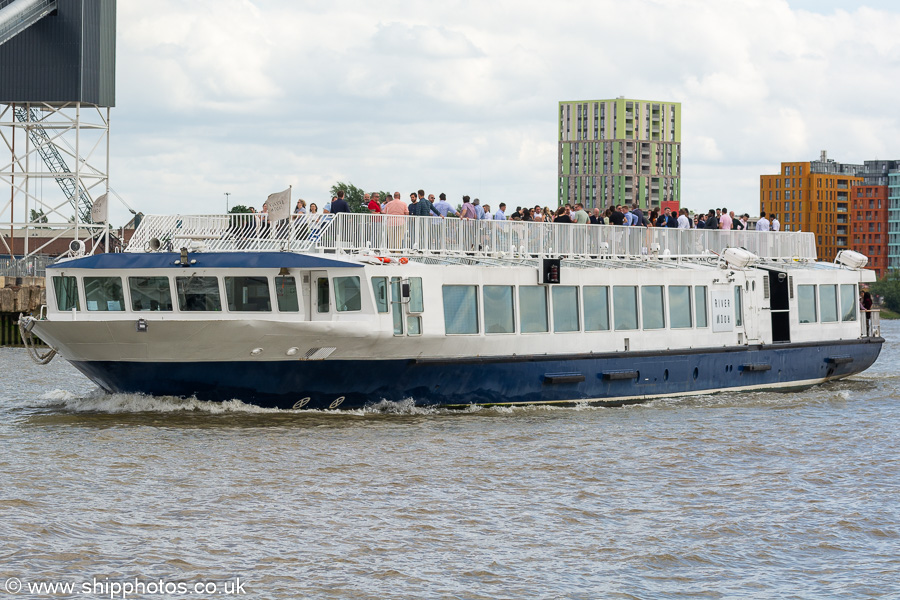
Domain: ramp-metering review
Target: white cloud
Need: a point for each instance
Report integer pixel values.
(247, 97)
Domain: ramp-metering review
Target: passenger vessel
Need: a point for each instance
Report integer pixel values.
(350, 310)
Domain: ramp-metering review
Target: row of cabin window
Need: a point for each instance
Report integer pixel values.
(685, 309)
(834, 304)
(243, 294)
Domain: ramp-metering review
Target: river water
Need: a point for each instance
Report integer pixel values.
(739, 495)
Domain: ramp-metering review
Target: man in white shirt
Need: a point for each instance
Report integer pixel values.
(683, 221)
(763, 223)
(775, 225)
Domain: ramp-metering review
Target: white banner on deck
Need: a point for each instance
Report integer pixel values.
(279, 205)
(100, 210)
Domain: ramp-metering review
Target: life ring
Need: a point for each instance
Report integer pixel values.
(383, 259)
(403, 260)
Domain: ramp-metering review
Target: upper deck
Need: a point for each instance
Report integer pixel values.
(354, 233)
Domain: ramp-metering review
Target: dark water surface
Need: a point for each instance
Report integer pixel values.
(744, 495)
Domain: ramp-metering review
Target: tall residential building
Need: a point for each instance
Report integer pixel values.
(894, 221)
(619, 152)
(870, 213)
(845, 205)
(813, 196)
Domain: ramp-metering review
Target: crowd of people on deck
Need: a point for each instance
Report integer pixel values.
(420, 204)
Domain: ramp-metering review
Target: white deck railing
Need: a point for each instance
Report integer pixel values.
(388, 233)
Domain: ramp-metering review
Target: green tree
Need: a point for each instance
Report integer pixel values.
(239, 209)
(889, 287)
(352, 194)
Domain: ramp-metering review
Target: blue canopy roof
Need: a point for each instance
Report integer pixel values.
(205, 260)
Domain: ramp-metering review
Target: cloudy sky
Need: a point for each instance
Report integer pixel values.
(250, 96)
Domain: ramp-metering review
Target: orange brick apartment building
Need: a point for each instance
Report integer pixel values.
(844, 205)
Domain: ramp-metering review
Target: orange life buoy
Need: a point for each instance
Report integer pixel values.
(403, 260)
(383, 259)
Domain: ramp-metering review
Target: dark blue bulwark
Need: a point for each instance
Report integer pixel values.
(205, 260)
(284, 384)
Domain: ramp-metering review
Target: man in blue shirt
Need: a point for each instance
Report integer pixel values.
(443, 206)
(479, 212)
(500, 215)
(339, 205)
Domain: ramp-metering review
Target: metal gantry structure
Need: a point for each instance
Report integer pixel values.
(57, 85)
(43, 140)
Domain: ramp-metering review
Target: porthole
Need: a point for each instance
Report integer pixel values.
(666, 375)
(696, 373)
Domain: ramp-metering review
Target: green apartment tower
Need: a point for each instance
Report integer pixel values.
(620, 152)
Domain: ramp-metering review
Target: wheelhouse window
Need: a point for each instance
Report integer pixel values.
(460, 309)
(380, 289)
(396, 306)
(416, 302)
(286, 294)
(150, 293)
(248, 294)
(565, 308)
(322, 290)
(625, 307)
(849, 302)
(680, 307)
(652, 315)
(104, 293)
(66, 289)
(347, 296)
(499, 311)
(806, 303)
(198, 294)
(596, 307)
(828, 303)
(533, 309)
(700, 305)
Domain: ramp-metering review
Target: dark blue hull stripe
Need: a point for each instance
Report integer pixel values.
(610, 379)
